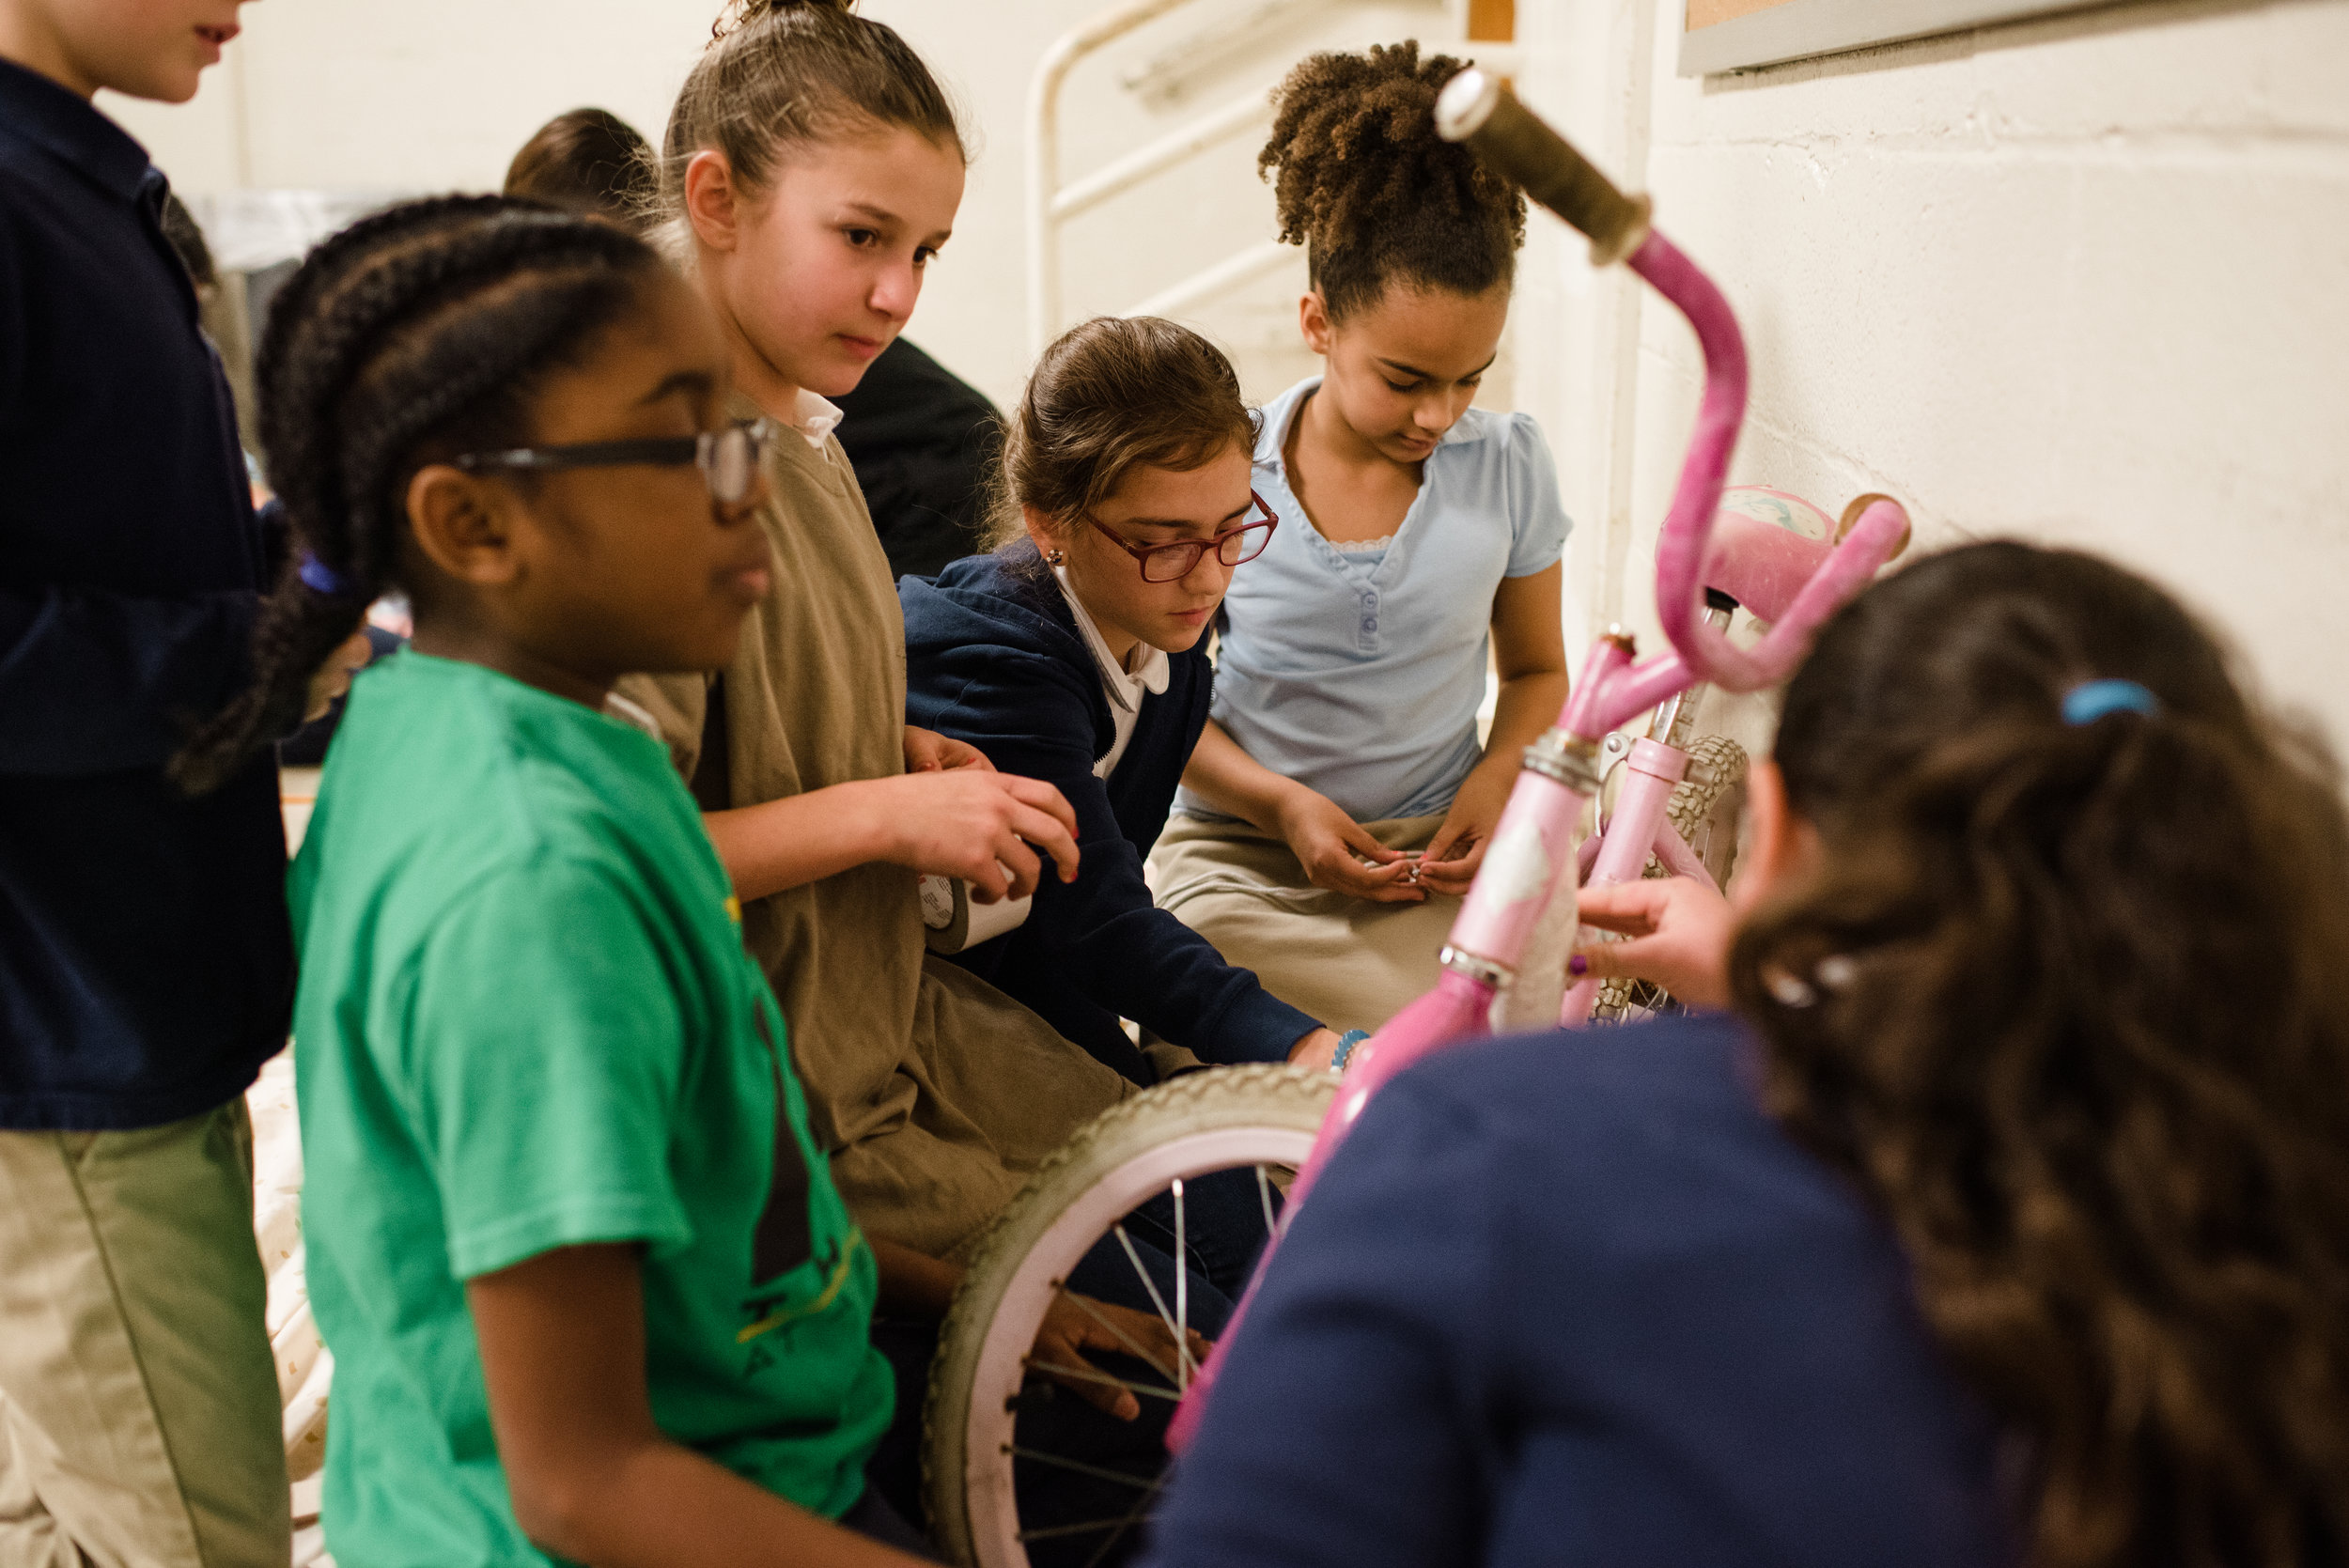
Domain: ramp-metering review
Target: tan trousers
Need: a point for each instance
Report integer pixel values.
(1348, 962)
(139, 1417)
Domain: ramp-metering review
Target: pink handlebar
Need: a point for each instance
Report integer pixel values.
(1483, 112)
(1534, 847)
(1699, 651)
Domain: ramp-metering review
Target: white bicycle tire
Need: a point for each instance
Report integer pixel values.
(1198, 1123)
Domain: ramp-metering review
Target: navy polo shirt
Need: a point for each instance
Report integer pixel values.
(145, 958)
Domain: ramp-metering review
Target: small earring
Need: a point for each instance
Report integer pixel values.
(1052, 557)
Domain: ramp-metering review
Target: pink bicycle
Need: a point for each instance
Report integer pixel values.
(1504, 966)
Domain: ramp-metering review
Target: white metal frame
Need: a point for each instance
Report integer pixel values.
(1051, 205)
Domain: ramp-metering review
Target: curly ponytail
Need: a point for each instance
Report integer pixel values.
(2070, 1002)
(1373, 193)
(420, 332)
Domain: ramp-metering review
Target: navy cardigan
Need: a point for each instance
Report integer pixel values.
(147, 962)
(993, 657)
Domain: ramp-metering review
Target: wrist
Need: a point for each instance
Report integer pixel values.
(1497, 769)
(1315, 1049)
(1285, 805)
(870, 829)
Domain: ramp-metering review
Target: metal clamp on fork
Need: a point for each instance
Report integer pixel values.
(1482, 970)
(1566, 759)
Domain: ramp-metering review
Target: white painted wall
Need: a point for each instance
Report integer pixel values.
(437, 94)
(2083, 279)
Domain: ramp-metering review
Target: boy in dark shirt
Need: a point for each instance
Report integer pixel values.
(146, 964)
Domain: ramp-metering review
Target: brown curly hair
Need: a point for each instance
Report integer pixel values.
(1373, 193)
(2070, 1005)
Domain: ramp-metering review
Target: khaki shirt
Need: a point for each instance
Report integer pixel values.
(935, 1092)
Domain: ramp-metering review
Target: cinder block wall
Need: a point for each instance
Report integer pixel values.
(2080, 279)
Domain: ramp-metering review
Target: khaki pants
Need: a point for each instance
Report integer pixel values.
(139, 1417)
(1351, 963)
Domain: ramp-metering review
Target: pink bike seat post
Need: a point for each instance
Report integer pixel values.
(1650, 775)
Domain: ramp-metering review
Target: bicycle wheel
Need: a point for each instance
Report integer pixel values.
(1224, 1119)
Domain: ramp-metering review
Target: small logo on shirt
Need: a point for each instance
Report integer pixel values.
(835, 1279)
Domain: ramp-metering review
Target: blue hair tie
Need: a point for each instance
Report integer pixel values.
(317, 575)
(2091, 700)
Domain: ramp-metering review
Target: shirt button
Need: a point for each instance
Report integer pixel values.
(1371, 624)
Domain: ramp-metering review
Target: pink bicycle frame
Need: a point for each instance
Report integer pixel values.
(1534, 847)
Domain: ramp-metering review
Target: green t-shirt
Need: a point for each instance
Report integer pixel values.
(527, 1022)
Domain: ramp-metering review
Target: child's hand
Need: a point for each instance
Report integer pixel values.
(334, 676)
(1076, 1324)
(1679, 933)
(1332, 847)
(977, 824)
(928, 752)
(1449, 865)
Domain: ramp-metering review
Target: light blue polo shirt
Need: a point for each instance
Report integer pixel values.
(1358, 673)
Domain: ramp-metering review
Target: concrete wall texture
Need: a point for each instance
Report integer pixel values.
(2084, 278)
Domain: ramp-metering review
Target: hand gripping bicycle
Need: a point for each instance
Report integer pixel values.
(1531, 868)
(989, 1419)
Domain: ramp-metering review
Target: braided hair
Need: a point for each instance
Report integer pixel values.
(1373, 193)
(2068, 1000)
(413, 336)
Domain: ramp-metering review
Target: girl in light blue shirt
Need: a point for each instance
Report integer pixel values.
(1340, 800)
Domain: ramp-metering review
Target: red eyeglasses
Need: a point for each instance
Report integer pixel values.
(1171, 563)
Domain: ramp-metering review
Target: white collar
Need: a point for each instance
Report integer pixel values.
(814, 417)
(1124, 687)
(626, 712)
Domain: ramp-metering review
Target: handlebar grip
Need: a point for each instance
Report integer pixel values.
(1482, 111)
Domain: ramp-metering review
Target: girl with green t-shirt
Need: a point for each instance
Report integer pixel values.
(589, 1287)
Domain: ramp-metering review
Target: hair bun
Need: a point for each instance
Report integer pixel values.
(740, 14)
(747, 11)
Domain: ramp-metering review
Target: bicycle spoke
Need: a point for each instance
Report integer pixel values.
(1087, 1307)
(1182, 1348)
(1087, 1375)
(1099, 1472)
(1047, 1532)
(1182, 1281)
(1133, 1516)
(1263, 1195)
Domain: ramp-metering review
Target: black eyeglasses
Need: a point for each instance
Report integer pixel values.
(728, 458)
(1171, 563)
